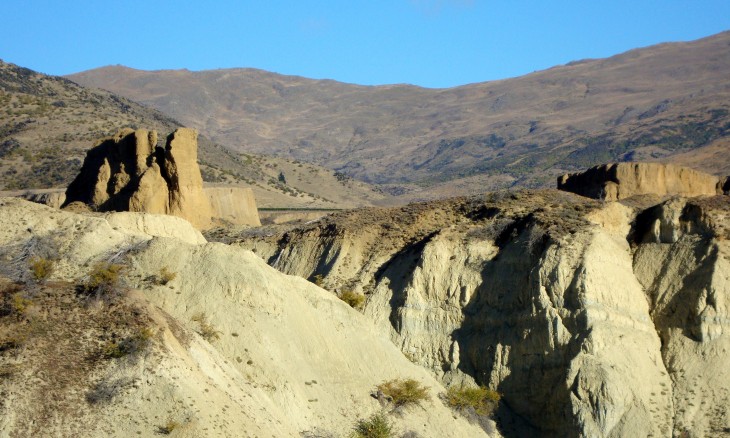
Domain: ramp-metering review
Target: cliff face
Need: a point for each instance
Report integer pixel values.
(592, 320)
(128, 172)
(234, 205)
(616, 181)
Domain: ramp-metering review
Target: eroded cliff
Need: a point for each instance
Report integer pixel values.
(616, 181)
(592, 319)
(129, 172)
(225, 347)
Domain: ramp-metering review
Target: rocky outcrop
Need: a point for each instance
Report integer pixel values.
(617, 181)
(233, 205)
(128, 172)
(591, 319)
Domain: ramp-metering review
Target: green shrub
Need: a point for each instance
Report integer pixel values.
(205, 328)
(41, 268)
(377, 426)
(481, 399)
(404, 392)
(354, 299)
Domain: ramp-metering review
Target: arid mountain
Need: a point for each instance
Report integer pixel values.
(655, 103)
(48, 123)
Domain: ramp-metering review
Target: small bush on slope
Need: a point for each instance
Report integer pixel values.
(404, 392)
(205, 328)
(166, 276)
(103, 280)
(132, 344)
(41, 268)
(481, 399)
(377, 426)
(353, 299)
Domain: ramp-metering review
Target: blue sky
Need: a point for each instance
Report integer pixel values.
(432, 43)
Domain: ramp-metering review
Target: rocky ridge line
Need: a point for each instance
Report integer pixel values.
(616, 181)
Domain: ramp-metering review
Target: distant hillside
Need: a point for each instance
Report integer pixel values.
(48, 123)
(655, 103)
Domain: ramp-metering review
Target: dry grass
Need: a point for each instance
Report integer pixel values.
(205, 328)
(103, 279)
(134, 343)
(404, 392)
(377, 426)
(61, 339)
(169, 426)
(482, 400)
(13, 300)
(166, 276)
(353, 299)
(41, 268)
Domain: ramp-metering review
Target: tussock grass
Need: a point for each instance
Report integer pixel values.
(404, 392)
(205, 328)
(377, 426)
(41, 268)
(481, 399)
(353, 299)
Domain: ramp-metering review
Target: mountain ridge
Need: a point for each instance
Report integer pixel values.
(47, 124)
(648, 103)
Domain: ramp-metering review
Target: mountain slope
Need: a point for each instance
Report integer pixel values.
(48, 123)
(649, 103)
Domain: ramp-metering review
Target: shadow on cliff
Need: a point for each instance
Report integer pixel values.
(115, 157)
(398, 271)
(505, 339)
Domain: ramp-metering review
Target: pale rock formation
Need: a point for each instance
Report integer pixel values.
(233, 205)
(291, 359)
(128, 172)
(616, 327)
(617, 181)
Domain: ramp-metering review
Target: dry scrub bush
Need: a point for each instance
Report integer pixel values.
(41, 268)
(20, 303)
(353, 299)
(482, 400)
(8, 370)
(132, 344)
(166, 276)
(103, 279)
(205, 328)
(404, 392)
(169, 426)
(13, 300)
(377, 426)
(318, 280)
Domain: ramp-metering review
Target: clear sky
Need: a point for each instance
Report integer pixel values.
(432, 43)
